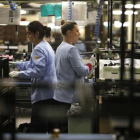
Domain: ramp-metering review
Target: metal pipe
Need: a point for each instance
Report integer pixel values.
(111, 15)
(122, 46)
(69, 10)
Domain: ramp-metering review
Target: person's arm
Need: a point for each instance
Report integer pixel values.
(22, 65)
(37, 66)
(76, 62)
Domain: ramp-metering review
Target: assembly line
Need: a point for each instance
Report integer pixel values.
(70, 72)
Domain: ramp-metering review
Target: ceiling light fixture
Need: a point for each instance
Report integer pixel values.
(129, 6)
(138, 24)
(24, 23)
(137, 6)
(117, 12)
(23, 12)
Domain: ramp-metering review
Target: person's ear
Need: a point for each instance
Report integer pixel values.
(37, 34)
(69, 32)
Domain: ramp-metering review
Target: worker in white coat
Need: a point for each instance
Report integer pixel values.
(41, 70)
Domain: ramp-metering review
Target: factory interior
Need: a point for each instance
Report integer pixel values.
(109, 99)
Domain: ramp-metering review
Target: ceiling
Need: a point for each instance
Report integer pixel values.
(35, 4)
(42, 1)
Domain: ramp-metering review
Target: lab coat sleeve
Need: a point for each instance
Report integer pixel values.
(76, 62)
(22, 65)
(37, 68)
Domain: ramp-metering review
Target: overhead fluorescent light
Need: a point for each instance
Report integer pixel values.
(106, 2)
(130, 12)
(3, 47)
(117, 24)
(35, 5)
(81, 26)
(138, 24)
(137, 6)
(126, 24)
(129, 6)
(136, 12)
(22, 12)
(57, 27)
(51, 25)
(117, 12)
(24, 23)
(3, 24)
(105, 24)
(13, 47)
(127, 12)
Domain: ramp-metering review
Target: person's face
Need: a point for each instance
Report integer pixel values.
(75, 34)
(30, 36)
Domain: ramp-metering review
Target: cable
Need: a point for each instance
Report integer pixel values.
(12, 6)
(69, 10)
(98, 20)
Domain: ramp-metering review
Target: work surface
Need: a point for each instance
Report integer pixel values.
(15, 82)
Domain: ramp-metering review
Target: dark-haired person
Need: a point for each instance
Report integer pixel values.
(69, 70)
(41, 70)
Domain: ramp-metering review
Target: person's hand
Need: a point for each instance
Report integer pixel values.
(91, 74)
(12, 64)
(89, 66)
(13, 74)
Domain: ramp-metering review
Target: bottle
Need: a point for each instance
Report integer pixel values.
(93, 60)
(56, 133)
